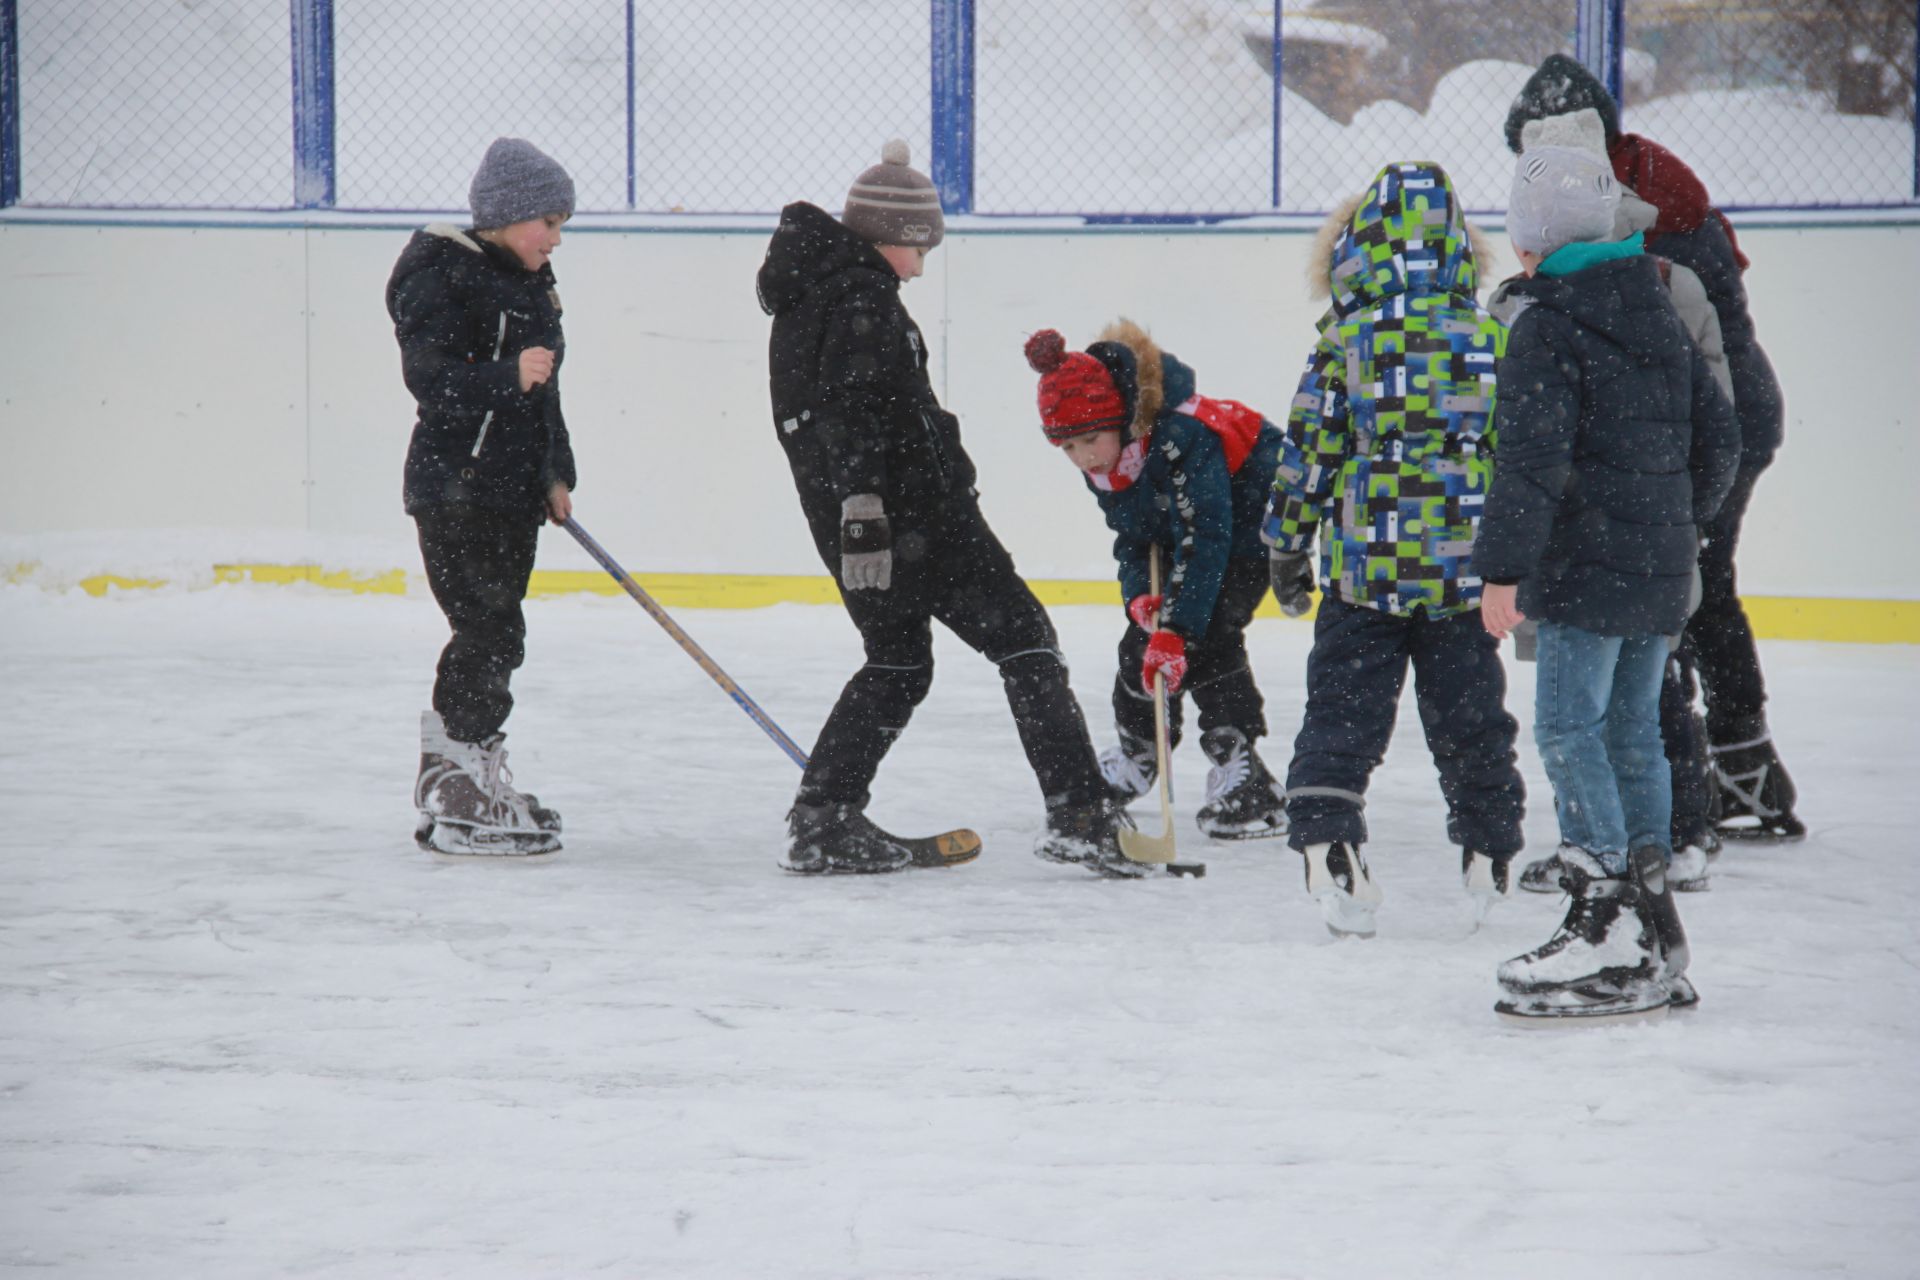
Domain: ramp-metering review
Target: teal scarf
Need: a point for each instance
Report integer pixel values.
(1569, 258)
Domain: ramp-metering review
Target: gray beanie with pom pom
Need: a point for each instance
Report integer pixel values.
(892, 203)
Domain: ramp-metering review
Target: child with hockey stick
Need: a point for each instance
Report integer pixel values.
(1752, 792)
(1615, 446)
(1682, 730)
(888, 492)
(478, 321)
(1388, 453)
(1183, 477)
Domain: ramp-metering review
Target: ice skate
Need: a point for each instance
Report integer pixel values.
(1487, 878)
(1690, 869)
(1603, 964)
(1338, 880)
(465, 808)
(1756, 795)
(1089, 836)
(1242, 801)
(1543, 876)
(494, 755)
(838, 839)
(1656, 883)
(1129, 769)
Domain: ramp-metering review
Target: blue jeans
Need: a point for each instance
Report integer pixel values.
(1596, 719)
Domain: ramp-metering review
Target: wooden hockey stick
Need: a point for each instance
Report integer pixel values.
(1138, 845)
(685, 641)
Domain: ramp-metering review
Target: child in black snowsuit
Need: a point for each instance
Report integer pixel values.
(478, 321)
(889, 495)
(1184, 478)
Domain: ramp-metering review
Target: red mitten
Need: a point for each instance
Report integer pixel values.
(1166, 654)
(1142, 610)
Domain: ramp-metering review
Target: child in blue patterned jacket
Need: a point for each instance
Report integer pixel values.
(1389, 454)
(1183, 477)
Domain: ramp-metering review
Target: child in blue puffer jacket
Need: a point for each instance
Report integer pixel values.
(1185, 478)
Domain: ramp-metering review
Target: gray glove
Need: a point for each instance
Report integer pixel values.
(1292, 579)
(866, 544)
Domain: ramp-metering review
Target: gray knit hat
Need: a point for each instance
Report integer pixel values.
(894, 204)
(1560, 195)
(517, 181)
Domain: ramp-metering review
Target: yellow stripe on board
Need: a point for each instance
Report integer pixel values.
(1773, 617)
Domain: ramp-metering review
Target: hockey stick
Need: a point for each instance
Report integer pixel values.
(1138, 845)
(685, 641)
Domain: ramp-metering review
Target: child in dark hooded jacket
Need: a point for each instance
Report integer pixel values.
(1184, 478)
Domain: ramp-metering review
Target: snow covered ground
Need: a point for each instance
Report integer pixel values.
(250, 1031)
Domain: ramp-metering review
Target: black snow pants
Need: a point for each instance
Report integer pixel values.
(478, 562)
(1718, 648)
(1354, 676)
(1218, 675)
(947, 566)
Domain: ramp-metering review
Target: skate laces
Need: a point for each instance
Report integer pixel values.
(1125, 772)
(1228, 775)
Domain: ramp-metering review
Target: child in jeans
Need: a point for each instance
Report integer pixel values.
(478, 320)
(1615, 446)
(1388, 452)
(1185, 478)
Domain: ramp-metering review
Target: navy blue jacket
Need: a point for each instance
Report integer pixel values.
(1185, 502)
(464, 310)
(1615, 445)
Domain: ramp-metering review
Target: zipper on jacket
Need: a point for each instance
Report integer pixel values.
(499, 340)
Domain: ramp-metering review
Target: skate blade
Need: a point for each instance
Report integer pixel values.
(828, 867)
(1778, 833)
(1233, 835)
(948, 849)
(455, 841)
(1567, 1008)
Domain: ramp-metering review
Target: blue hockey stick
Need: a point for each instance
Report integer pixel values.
(685, 641)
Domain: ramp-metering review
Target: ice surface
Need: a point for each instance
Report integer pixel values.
(250, 1031)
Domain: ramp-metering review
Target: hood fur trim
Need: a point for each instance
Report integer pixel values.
(447, 231)
(1150, 391)
(1320, 253)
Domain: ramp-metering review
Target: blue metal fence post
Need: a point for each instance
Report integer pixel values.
(313, 185)
(953, 104)
(9, 103)
(1276, 104)
(630, 120)
(1916, 100)
(1598, 26)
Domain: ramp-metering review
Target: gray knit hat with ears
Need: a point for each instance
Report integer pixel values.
(892, 203)
(1560, 195)
(517, 181)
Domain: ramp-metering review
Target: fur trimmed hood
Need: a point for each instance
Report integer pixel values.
(1140, 372)
(1364, 250)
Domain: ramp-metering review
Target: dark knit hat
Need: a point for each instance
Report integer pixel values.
(892, 203)
(1559, 86)
(1077, 391)
(517, 181)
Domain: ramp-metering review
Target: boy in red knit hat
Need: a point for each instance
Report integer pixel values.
(1185, 478)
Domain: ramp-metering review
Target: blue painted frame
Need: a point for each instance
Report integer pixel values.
(313, 134)
(952, 57)
(1276, 104)
(1598, 28)
(9, 103)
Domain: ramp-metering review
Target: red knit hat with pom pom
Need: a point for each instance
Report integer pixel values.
(1077, 394)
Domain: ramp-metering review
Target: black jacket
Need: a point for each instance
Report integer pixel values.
(463, 311)
(852, 404)
(1615, 445)
(1708, 253)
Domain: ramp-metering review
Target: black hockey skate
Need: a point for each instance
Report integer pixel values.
(838, 839)
(1604, 962)
(1756, 795)
(1088, 835)
(466, 802)
(1242, 801)
(1655, 880)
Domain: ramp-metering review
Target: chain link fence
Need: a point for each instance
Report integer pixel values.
(1126, 108)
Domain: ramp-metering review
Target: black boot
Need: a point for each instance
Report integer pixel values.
(1242, 801)
(1756, 795)
(1604, 961)
(1649, 867)
(837, 839)
(1089, 834)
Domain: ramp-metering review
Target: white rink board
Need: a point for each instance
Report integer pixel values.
(245, 377)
